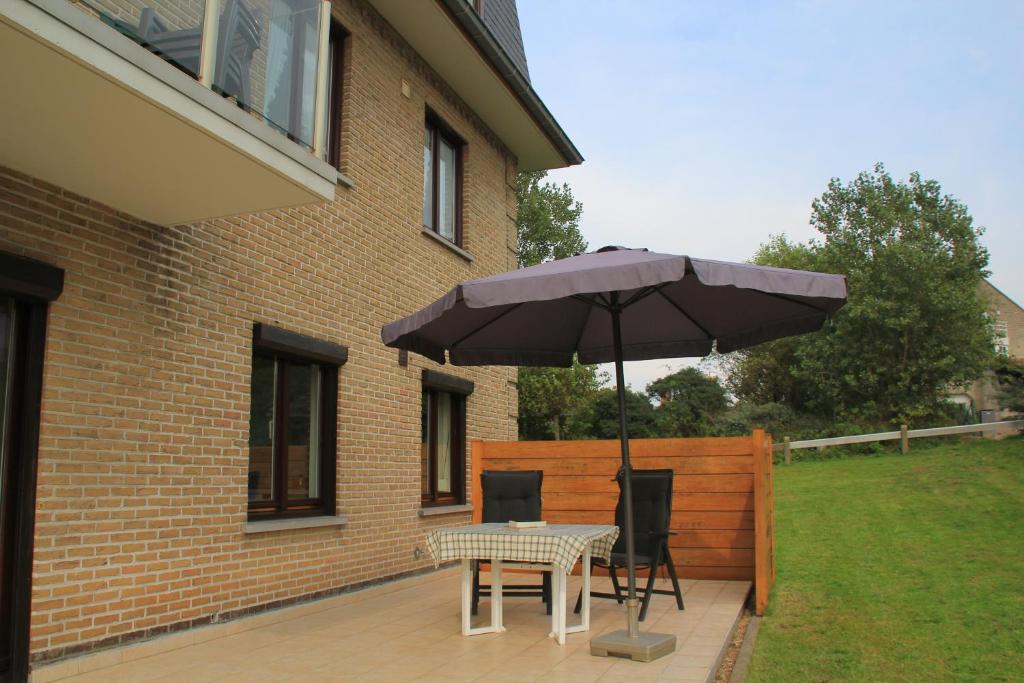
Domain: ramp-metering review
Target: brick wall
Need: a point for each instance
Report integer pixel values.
(141, 500)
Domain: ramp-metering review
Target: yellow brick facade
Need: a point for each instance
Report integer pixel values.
(141, 499)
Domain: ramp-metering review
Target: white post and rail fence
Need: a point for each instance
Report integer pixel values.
(904, 435)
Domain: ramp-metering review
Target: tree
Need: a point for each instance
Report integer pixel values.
(547, 220)
(1010, 377)
(549, 397)
(547, 227)
(914, 324)
(688, 402)
(599, 418)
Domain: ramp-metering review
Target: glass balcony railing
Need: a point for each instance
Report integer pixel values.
(267, 56)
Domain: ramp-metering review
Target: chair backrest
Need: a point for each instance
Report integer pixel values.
(652, 510)
(509, 496)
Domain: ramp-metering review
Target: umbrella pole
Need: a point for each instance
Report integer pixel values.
(632, 604)
(629, 643)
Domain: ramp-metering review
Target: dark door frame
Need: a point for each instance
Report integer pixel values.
(33, 285)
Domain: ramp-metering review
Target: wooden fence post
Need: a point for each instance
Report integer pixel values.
(787, 451)
(904, 439)
(762, 522)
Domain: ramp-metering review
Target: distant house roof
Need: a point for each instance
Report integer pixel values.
(502, 18)
(1001, 293)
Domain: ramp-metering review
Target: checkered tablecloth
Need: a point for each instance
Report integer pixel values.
(557, 544)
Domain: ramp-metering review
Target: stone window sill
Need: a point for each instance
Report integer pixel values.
(345, 181)
(454, 247)
(267, 525)
(444, 510)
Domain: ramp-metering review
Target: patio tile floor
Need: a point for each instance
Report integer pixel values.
(409, 632)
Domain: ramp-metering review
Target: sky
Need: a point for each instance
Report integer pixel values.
(709, 126)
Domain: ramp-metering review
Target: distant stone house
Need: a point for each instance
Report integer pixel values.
(207, 212)
(981, 398)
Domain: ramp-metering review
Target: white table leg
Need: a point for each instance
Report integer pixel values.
(497, 599)
(561, 605)
(584, 624)
(467, 600)
(467, 595)
(555, 603)
(586, 588)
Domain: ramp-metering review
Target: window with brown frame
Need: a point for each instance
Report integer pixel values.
(443, 438)
(26, 288)
(335, 78)
(292, 424)
(442, 180)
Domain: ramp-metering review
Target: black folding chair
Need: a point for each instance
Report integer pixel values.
(511, 496)
(652, 514)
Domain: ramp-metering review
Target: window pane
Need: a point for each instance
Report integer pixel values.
(303, 431)
(428, 178)
(446, 196)
(425, 431)
(261, 430)
(444, 443)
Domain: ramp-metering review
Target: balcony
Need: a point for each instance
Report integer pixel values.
(170, 110)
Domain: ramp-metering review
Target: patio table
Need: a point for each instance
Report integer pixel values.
(554, 548)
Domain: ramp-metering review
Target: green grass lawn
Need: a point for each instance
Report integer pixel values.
(899, 568)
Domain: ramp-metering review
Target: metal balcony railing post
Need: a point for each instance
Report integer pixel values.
(208, 44)
(320, 108)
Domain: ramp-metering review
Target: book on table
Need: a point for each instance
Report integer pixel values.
(527, 525)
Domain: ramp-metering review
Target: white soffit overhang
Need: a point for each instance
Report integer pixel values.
(86, 109)
(432, 32)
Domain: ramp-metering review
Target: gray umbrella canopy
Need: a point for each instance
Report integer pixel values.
(672, 306)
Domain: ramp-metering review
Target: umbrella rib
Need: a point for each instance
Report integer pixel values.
(489, 322)
(642, 294)
(589, 301)
(795, 301)
(686, 315)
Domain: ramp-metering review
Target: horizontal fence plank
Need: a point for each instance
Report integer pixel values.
(735, 519)
(607, 467)
(892, 436)
(845, 440)
(687, 520)
(735, 538)
(610, 448)
(681, 485)
(606, 501)
(965, 429)
(713, 557)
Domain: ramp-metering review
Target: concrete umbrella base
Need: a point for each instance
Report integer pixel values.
(646, 647)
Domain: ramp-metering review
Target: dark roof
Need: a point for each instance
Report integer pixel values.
(502, 19)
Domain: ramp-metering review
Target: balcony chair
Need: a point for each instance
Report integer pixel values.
(509, 496)
(652, 513)
(238, 38)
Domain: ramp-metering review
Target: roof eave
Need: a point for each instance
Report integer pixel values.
(455, 42)
(472, 24)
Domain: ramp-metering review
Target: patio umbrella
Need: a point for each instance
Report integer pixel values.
(614, 305)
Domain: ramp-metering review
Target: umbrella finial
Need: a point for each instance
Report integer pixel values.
(613, 247)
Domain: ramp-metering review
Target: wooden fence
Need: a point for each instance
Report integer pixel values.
(904, 435)
(723, 495)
